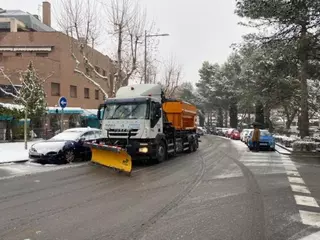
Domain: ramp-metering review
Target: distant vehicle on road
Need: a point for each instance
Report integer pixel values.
(229, 132)
(65, 147)
(244, 134)
(247, 136)
(266, 142)
(235, 135)
(201, 131)
(224, 132)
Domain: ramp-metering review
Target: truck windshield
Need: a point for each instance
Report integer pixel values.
(126, 111)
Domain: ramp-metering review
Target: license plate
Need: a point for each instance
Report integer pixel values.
(263, 144)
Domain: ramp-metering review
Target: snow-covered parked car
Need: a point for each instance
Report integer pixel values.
(244, 133)
(65, 147)
(246, 137)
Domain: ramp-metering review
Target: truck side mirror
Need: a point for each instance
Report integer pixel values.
(99, 114)
(158, 113)
(157, 110)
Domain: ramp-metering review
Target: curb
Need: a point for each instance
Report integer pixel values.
(282, 153)
(17, 161)
(298, 154)
(283, 147)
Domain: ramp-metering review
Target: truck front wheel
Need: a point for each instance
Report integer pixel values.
(161, 152)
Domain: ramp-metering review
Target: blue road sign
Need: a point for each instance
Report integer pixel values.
(63, 102)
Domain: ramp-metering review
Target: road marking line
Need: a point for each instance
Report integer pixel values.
(296, 180)
(300, 188)
(313, 236)
(267, 161)
(290, 168)
(293, 173)
(264, 165)
(310, 218)
(306, 201)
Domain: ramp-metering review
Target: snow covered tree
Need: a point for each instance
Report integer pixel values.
(30, 94)
(32, 90)
(288, 22)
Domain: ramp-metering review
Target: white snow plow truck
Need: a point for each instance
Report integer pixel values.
(141, 123)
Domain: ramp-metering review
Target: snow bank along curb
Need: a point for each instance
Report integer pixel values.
(14, 161)
(14, 152)
(297, 154)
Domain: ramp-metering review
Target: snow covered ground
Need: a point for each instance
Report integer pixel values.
(11, 170)
(12, 152)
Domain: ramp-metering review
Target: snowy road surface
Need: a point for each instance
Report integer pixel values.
(223, 191)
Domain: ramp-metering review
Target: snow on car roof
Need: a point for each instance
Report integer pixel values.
(81, 129)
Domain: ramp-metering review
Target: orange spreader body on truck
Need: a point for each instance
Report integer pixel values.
(181, 114)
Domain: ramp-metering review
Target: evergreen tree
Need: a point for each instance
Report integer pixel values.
(290, 22)
(32, 95)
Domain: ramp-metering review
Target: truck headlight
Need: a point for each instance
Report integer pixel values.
(143, 150)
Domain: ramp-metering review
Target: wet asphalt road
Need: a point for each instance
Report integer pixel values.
(222, 191)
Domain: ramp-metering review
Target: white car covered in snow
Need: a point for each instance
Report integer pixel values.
(244, 133)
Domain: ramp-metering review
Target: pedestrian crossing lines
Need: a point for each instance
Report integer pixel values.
(302, 195)
(273, 163)
(265, 163)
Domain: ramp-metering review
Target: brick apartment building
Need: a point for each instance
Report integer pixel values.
(24, 38)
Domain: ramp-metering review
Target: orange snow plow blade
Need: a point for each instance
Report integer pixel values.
(112, 157)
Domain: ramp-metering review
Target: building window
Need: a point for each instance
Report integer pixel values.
(73, 91)
(97, 69)
(96, 94)
(104, 73)
(42, 54)
(55, 89)
(9, 89)
(18, 54)
(86, 93)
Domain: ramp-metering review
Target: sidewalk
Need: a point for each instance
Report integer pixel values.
(14, 152)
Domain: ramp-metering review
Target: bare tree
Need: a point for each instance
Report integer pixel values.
(129, 22)
(172, 76)
(80, 20)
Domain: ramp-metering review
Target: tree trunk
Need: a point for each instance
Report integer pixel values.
(233, 113)
(220, 117)
(25, 128)
(304, 130)
(226, 118)
(290, 119)
(259, 113)
(119, 65)
(268, 123)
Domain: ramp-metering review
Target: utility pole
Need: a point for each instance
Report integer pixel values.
(145, 51)
(145, 56)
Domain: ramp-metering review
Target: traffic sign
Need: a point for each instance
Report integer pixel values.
(63, 102)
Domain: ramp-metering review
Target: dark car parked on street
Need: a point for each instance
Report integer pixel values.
(65, 147)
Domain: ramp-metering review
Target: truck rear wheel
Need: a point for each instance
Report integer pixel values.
(193, 145)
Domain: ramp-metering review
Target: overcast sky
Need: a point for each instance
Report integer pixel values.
(199, 30)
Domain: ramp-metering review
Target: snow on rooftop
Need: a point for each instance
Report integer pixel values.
(12, 106)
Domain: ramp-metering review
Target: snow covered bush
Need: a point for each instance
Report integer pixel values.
(304, 146)
(285, 141)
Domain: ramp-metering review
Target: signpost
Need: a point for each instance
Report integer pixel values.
(62, 103)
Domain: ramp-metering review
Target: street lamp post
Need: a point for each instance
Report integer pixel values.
(145, 50)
